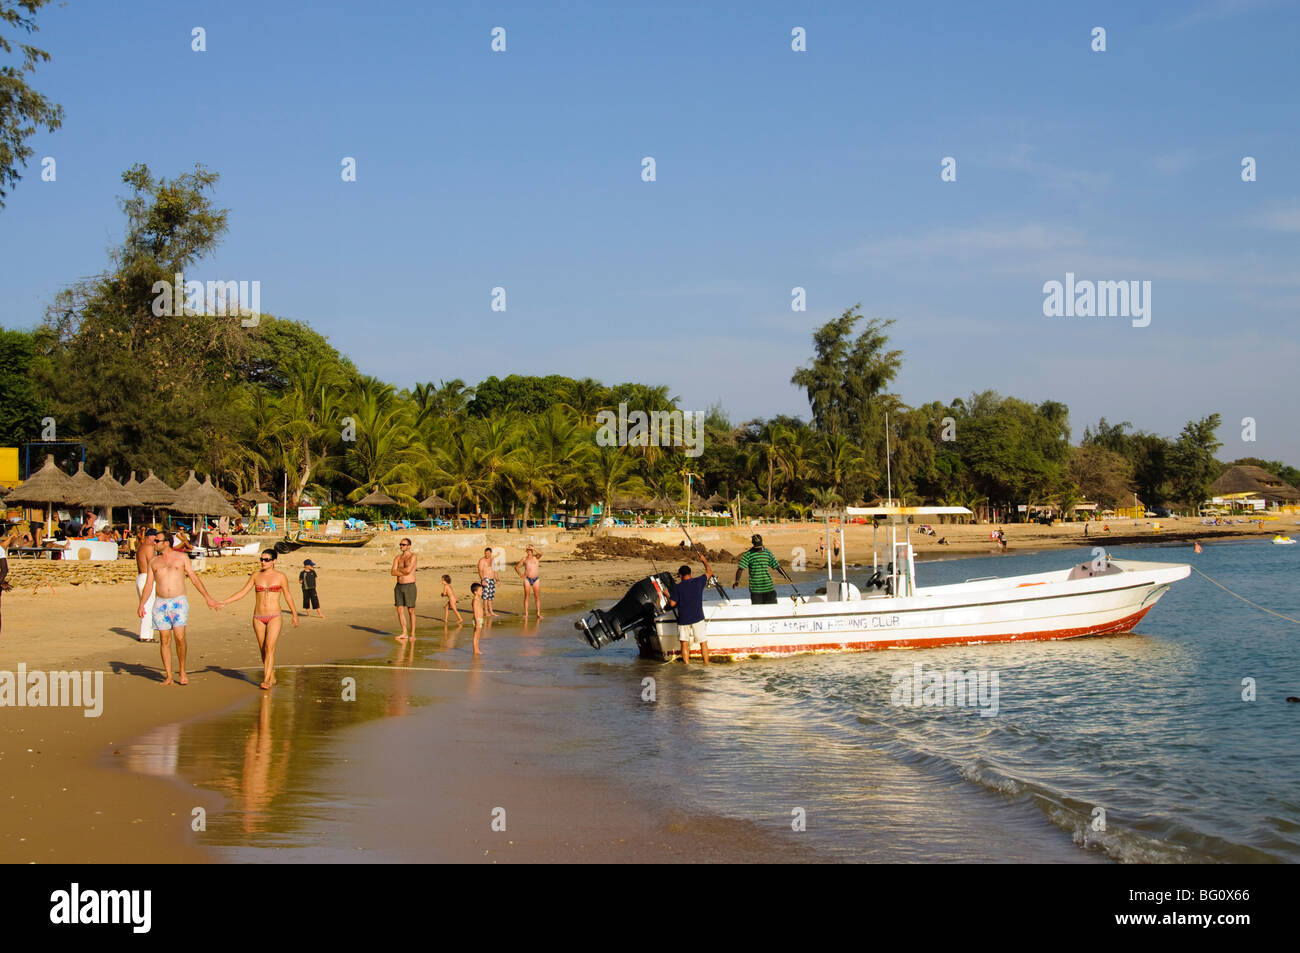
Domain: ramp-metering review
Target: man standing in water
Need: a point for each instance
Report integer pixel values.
(148, 549)
(404, 591)
(760, 562)
(171, 610)
(529, 570)
(688, 600)
(487, 575)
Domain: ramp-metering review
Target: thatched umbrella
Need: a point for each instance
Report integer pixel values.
(376, 498)
(218, 505)
(189, 497)
(434, 502)
(714, 502)
(82, 482)
(257, 496)
(45, 487)
(152, 492)
(662, 504)
(116, 495)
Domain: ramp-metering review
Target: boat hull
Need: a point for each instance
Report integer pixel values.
(336, 541)
(1021, 609)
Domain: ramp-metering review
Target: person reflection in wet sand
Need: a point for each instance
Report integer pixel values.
(256, 786)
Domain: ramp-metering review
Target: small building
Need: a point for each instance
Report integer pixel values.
(1247, 487)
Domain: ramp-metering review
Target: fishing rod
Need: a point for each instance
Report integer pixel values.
(716, 585)
(790, 581)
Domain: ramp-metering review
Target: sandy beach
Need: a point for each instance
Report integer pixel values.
(69, 802)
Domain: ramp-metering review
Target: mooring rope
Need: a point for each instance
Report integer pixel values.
(1247, 601)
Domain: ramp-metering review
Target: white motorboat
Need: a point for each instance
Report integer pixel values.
(1098, 597)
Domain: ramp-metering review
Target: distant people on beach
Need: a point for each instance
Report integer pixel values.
(476, 604)
(449, 594)
(165, 586)
(487, 577)
(270, 586)
(4, 583)
(529, 570)
(143, 556)
(404, 565)
(307, 580)
(759, 563)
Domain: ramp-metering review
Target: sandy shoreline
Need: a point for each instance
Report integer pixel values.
(69, 802)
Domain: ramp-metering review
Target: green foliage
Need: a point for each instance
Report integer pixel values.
(22, 109)
(1192, 467)
(847, 374)
(20, 408)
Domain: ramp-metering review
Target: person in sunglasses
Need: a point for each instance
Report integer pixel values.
(271, 586)
(170, 611)
(404, 591)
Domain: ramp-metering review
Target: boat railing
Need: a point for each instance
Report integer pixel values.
(980, 579)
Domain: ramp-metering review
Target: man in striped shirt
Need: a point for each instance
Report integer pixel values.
(760, 562)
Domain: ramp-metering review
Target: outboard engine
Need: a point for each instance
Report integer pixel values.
(632, 615)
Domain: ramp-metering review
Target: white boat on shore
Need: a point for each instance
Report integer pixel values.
(1099, 597)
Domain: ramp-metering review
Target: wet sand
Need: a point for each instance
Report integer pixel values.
(70, 800)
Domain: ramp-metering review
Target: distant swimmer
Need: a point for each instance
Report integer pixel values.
(171, 608)
(271, 586)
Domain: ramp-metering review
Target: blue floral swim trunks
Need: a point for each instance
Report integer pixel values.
(171, 613)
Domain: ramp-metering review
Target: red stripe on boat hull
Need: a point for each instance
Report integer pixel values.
(1111, 628)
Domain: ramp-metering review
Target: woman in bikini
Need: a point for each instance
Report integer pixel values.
(271, 586)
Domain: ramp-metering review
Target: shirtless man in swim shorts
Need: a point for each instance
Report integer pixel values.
(532, 575)
(148, 549)
(171, 609)
(487, 575)
(404, 591)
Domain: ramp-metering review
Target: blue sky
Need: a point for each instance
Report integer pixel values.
(775, 169)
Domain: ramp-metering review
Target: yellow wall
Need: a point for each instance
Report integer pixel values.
(9, 466)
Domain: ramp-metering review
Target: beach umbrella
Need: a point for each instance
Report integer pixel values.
(376, 498)
(257, 496)
(152, 492)
(114, 494)
(215, 502)
(434, 502)
(189, 496)
(45, 487)
(714, 502)
(82, 482)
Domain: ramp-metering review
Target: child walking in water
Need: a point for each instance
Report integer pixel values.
(476, 597)
(449, 594)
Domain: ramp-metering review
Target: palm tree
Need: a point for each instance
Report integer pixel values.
(585, 398)
(613, 472)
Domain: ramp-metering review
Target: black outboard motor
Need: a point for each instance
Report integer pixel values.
(632, 615)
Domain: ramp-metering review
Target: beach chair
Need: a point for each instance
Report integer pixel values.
(407, 525)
